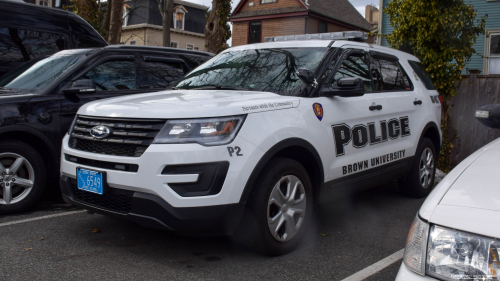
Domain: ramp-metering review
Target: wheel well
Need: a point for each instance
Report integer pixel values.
(39, 145)
(307, 160)
(432, 133)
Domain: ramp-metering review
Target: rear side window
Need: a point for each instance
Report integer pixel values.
(18, 46)
(422, 74)
(160, 74)
(388, 75)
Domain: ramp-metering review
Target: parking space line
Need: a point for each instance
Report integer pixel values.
(376, 267)
(42, 218)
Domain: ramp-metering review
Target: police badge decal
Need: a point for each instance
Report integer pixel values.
(318, 110)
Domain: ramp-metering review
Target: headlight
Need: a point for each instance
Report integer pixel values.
(456, 255)
(416, 243)
(209, 131)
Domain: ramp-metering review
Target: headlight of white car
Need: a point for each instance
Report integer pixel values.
(206, 131)
(456, 255)
(416, 243)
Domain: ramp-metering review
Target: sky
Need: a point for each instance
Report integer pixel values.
(358, 4)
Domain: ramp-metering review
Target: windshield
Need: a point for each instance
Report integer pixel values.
(44, 72)
(271, 70)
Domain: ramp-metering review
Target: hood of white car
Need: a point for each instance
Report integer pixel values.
(479, 184)
(188, 104)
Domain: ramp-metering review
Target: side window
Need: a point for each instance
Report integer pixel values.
(18, 46)
(355, 66)
(113, 75)
(422, 74)
(161, 74)
(388, 75)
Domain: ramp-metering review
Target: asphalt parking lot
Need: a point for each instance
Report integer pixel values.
(348, 236)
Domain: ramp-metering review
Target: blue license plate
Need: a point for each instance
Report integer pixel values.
(91, 181)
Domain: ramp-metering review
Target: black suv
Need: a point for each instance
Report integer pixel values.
(30, 31)
(38, 106)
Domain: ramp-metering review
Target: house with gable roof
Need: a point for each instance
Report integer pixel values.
(253, 20)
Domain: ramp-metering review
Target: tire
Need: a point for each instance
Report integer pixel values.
(255, 230)
(420, 180)
(28, 180)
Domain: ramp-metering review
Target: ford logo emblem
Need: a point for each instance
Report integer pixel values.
(100, 132)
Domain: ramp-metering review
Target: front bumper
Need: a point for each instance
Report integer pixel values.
(404, 274)
(151, 211)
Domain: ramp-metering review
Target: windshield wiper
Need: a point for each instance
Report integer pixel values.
(217, 87)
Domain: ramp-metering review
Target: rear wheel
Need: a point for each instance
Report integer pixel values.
(22, 176)
(279, 208)
(420, 181)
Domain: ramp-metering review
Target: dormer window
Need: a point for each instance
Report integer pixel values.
(126, 12)
(179, 17)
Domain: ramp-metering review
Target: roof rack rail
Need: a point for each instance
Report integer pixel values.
(346, 35)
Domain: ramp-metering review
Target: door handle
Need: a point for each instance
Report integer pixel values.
(417, 102)
(375, 107)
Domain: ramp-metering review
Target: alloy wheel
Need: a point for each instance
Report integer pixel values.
(286, 208)
(16, 178)
(426, 168)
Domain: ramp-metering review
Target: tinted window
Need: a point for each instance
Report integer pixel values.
(113, 75)
(270, 70)
(422, 74)
(18, 46)
(388, 75)
(161, 74)
(86, 43)
(355, 66)
(322, 27)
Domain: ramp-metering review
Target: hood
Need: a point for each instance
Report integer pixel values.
(188, 104)
(468, 198)
(478, 185)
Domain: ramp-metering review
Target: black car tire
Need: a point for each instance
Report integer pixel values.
(255, 228)
(38, 168)
(413, 184)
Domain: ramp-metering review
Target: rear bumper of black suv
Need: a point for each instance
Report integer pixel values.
(152, 211)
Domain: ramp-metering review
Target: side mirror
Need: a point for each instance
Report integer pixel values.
(306, 76)
(345, 87)
(82, 86)
(489, 115)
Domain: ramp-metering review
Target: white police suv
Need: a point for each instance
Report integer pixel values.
(251, 140)
(456, 233)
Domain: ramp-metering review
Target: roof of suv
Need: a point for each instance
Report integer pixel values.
(162, 49)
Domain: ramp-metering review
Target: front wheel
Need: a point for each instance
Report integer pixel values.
(420, 181)
(22, 176)
(279, 208)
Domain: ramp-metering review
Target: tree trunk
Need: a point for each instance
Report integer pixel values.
(216, 33)
(166, 9)
(107, 18)
(115, 23)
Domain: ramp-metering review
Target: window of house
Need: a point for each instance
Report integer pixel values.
(355, 66)
(43, 2)
(268, 1)
(126, 12)
(113, 75)
(160, 74)
(494, 54)
(132, 42)
(174, 44)
(189, 46)
(254, 32)
(196, 48)
(388, 75)
(322, 27)
(179, 20)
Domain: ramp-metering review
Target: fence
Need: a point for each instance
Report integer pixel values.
(467, 133)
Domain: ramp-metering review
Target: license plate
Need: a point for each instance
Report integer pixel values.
(91, 181)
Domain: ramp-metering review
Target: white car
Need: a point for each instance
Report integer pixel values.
(456, 233)
(249, 141)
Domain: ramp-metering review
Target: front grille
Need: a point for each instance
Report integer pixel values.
(112, 199)
(128, 137)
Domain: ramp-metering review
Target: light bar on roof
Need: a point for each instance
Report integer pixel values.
(346, 35)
